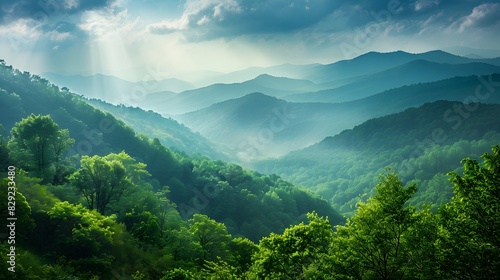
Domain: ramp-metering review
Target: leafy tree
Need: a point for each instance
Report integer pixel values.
(383, 238)
(212, 237)
(18, 208)
(182, 248)
(37, 143)
(470, 223)
(219, 270)
(144, 226)
(288, 255)
(88, 240)
(102, 180)
(178, 274)
(242, 251)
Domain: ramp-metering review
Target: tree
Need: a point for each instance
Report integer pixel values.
(242, 250)
(102, 180)
(37, 143)
(470, 223)
(383, 239)
(14, 205)
(90, 241)
(144, 226)
(212, 237)
(289, 255)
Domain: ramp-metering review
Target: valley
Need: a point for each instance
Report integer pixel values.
(248, 160)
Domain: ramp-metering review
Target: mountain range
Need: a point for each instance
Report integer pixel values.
(336, 82)
(266, 126)
(356, 116)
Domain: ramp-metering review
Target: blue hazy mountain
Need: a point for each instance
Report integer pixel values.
(113, 89)
(413, 72)
(265, 126)
(373, 62)
(195, 99)
(340, 81)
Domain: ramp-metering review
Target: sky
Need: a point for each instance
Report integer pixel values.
(131, 38)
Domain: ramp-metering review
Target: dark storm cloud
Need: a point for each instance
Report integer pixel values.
(208, 19)
(11, 10)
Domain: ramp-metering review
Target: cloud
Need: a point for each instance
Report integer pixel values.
(11, 10)
(209, 19)
(421, 5)
(197, 13)
(21, 28)
(484, 15)
(103, 23)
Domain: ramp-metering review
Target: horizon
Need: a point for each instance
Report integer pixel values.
(175, 77)
(127, 39)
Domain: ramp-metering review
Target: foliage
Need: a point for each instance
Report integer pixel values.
(470, 223)
(37, 144)
(160, 214)
(102, 180)
(419, 143)
(379, 240)
(212, 237)
(14, 205)
(286, 256)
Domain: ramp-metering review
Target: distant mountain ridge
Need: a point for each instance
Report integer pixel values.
(265, 126)
(418, 143)
(170, 133)
(340, 81)
(114, 89)
(196, 99)
(413, 72)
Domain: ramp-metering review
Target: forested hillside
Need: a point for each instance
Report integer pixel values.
(421, 144)
(96, 200)
(170, 133)
(76, 165)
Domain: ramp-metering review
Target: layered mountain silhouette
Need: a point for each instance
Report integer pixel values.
(413, 72)
(115, 90)
(268, 126)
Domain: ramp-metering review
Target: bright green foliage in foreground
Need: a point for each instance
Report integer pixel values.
(470, 223)
(385, 239)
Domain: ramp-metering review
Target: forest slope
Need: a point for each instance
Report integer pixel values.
(250, 203)
(420, 144)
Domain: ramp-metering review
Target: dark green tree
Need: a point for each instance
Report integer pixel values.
(212, 237)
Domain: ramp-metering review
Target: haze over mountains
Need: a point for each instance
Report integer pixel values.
(259, 112)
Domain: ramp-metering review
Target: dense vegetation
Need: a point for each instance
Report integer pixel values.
(134, 233)
(95, 200)
(170, 133)
(419, 143)
(251, 204)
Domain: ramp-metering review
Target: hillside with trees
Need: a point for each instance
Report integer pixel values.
(58, 137)
(94, 199)
(420, 144)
